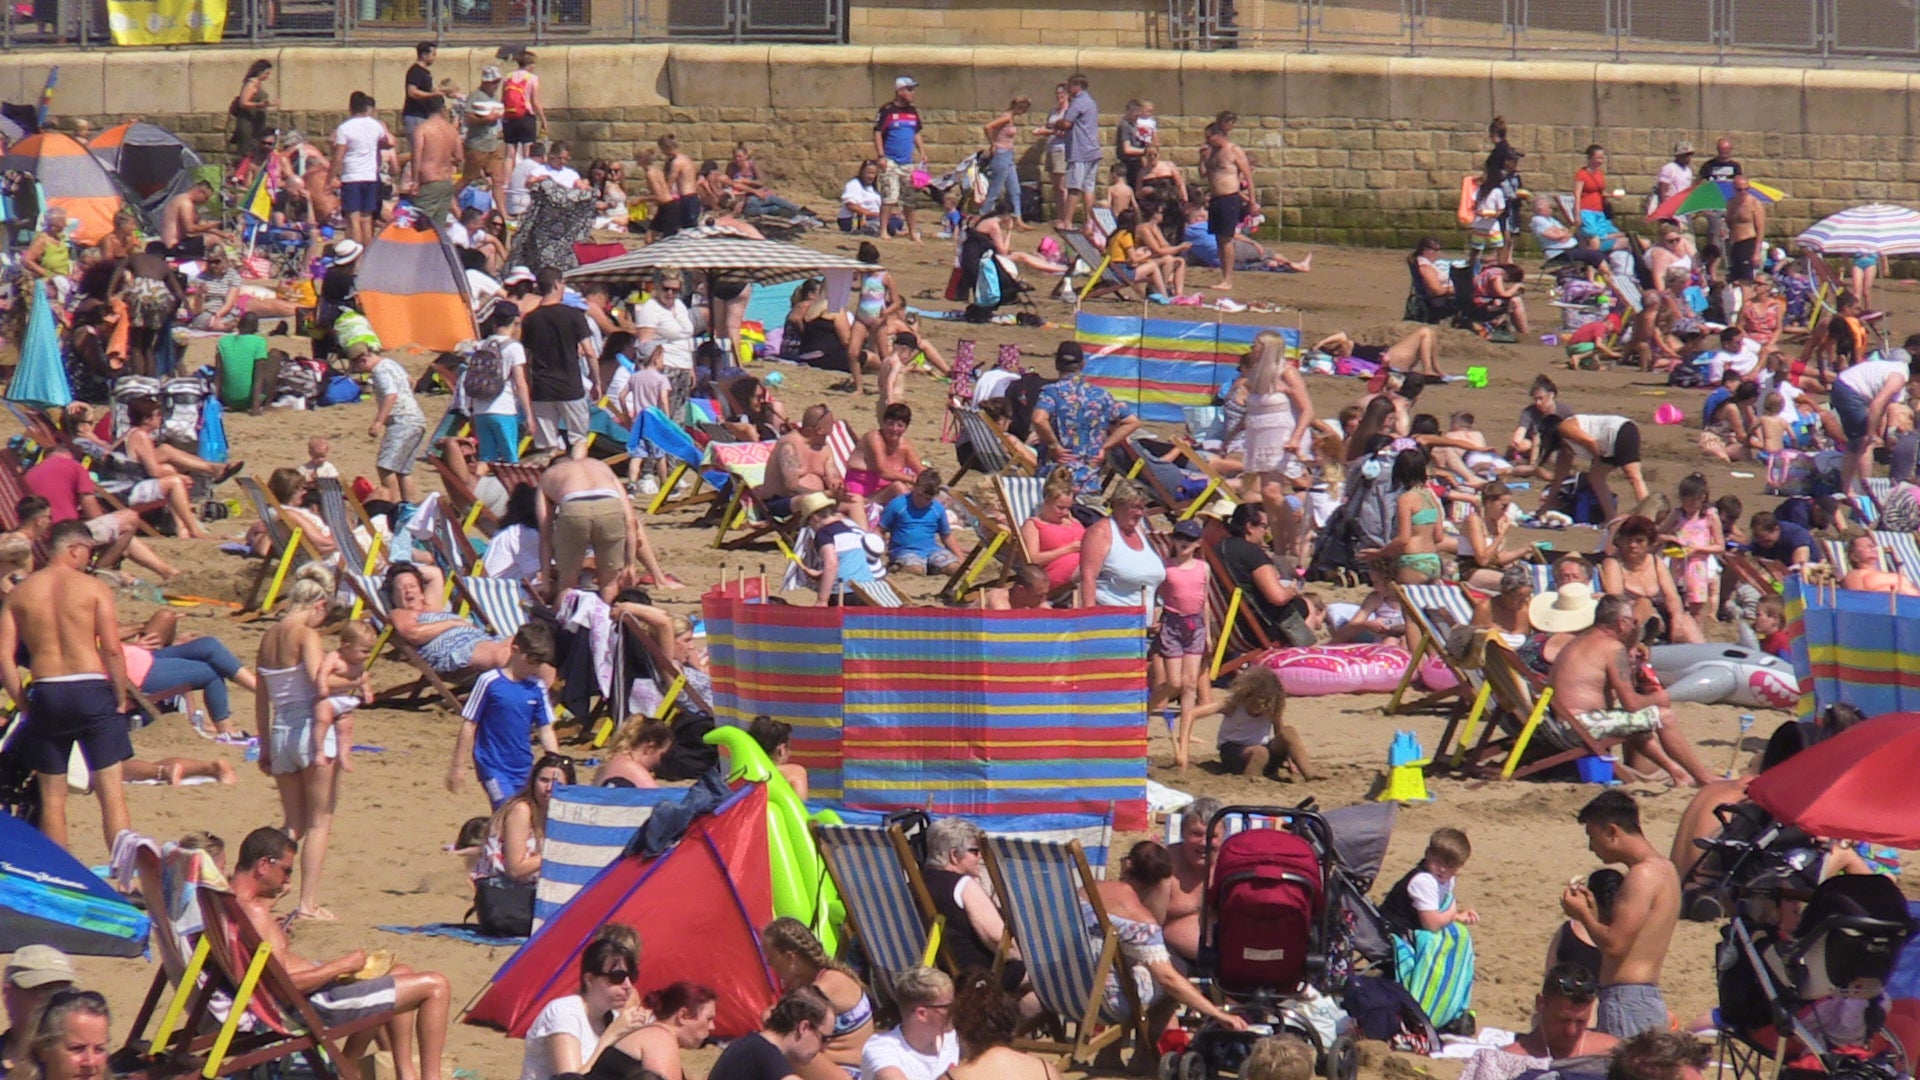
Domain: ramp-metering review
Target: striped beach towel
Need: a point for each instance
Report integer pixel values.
(1436, 967)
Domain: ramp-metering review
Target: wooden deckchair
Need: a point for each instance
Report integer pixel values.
(887, 900)
(1103, 278)
(1514, 704)
(1419, 603)
(370, 594)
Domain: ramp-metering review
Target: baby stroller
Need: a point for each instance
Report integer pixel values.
(1267, 937)
(1813, 1001)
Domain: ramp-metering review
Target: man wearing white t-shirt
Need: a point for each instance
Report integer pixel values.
(924, 1045)
(357, 145)
(531, 166)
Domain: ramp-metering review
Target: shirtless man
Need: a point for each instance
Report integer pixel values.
(1594, 685)
(418, 1000)
(1863, 554)
(438, 156)
(181, 228)
(166, 466)
(683, 182)
(64, 619)
(584, 507)
(1229, 173)
(302, 165)
(883, 463)
(1747, 229)
(1189, 877)
(802, 464)
(1634, 942)
(659, 195)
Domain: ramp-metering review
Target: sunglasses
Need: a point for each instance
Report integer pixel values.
(1574, 987)
(616, 976)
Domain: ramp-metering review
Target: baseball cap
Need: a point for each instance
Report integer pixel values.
(1187, 530)
(489, 74)
(38, 965)
(904, 82)
(1682, 148)
(1070, 353)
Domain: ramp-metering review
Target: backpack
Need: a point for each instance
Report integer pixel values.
(513, 95)
(986, 284)
(1688, 376)
(486, 375)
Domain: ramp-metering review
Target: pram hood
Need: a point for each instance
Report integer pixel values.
(1850, 937)
(1360, 837)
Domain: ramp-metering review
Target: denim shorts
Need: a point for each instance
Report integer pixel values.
(1851, 408)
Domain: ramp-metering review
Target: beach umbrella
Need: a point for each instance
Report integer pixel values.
(1849, 785)
(48, 898)
(1873, 229)
(728, 256)
(40, 379)
(73, 179)
(1711, 195)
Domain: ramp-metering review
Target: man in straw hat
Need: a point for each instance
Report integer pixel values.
(1595, 684)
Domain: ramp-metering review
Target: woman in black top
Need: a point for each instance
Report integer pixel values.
(975, 925)
(1571, 943)
(792, 1035)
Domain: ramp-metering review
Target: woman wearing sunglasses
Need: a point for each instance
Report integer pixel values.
(571, 1032)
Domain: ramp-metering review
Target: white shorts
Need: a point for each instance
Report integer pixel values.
(550, 416)
(146, 491)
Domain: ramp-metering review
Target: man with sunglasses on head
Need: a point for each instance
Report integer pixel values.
(1562, 1019)
(64, 618)
(418, 1000)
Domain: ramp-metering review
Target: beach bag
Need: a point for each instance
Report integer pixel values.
(340, 390)
(486, 374)
(1469, 209)
(986, 284)
(213, 433)
(298, 379)
(503, 907)
(1687, 376)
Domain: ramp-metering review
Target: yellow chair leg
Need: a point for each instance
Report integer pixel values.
(1465, 737)
(280, 574)
(666, 489)
(1226, 629)
(189, 982)
(985, 557)
(1406, 680)
(239, 1009)
(1526, 734)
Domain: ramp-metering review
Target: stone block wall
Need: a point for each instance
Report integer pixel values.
(1089, 23)
(1364, 150)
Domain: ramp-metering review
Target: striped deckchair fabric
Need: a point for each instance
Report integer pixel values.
(285, 550)
(1900, 549)
(1054, 913)
(989, 456)
(1542, 578)
(1836, 551)
(1234, 823)
(333, 511)
(367, 591)
(501, 603)
(587, 829)
(1020, 497)
(1416, 601)
(878, 593)
(886, 902)
(840, 444)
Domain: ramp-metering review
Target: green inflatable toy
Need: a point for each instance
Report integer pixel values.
(801, 887)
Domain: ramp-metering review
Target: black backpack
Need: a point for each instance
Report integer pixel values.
(486, 374)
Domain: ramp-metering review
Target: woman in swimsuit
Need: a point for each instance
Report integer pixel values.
(877, 307)
(1633, 571)
(1418, 531)
(308, 776)
(634, 752)
(797, 959)
(683, 1019)
(1132, 905)
(884, 463)
(1483, 538)
(447, 641)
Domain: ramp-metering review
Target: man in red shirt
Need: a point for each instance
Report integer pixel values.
(69, 490)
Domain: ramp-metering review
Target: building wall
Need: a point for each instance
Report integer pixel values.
(1350, 149)
(1130, 24)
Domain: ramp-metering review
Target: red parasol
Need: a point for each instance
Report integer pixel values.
(1852, 786)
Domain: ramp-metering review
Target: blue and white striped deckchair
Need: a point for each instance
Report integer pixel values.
(1836, 555)
(1879, 489)
(990, 455)
(1055, 914)
(1020, 497)
(587, 829)
(887, 901)
(367, 591)
(501, 603)
(1542, 577)
(1417, 602)
(1900, 549)
(333, 511)
(876, 593)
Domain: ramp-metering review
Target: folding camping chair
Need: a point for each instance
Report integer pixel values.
(887, 900)
(369, 593)
(1103, 278)
(1518, 708)
(287, 547)
(1419, 602)
(262, 988)
(1040, 885)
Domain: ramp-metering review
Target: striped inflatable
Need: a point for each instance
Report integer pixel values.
(987, 714)
(414, 291)
(587, 829)
(1854, 647)
(1160, 367)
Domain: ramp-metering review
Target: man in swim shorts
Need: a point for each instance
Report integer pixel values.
(1634, 941)
(586, 509)
(1229, 174)
(1594, 685)
(64, 619)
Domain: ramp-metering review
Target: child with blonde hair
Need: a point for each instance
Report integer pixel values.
(346, 687)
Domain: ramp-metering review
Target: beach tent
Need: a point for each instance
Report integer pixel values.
(72, 178)
(698, 908)
(47, 897)
(414, 289)
(151, 163)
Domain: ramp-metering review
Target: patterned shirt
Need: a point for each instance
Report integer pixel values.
(1082, 415)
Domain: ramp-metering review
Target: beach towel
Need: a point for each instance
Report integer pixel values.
(456, 931)
(1436, 967)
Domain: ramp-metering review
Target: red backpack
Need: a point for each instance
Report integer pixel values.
(1268, 889)
(513, 95)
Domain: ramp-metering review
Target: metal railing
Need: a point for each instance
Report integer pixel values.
(1822, 32)
(85, 23)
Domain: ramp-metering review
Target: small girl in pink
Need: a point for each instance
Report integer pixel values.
(1180, 642)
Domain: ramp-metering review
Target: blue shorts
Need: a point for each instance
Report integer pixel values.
(499, 437)
(1852, 410)
(499, 788)
(360, 197)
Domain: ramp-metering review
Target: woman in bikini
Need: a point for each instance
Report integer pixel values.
(1763, 313)
(797, 960)
(884, 463)
(1483, 538)
(1633, 571)
(308, 776)
(1418, 532)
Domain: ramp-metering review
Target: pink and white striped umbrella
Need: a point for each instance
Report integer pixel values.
(1873, 229)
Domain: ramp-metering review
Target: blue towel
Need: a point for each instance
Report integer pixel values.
(457, 931)
(769, 304)
(1436, 967)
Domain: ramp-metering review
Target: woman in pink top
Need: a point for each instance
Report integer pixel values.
(1180, 642)
(1052, 535)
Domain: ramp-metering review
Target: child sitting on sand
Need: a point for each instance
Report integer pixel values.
(1434, 950)
(343, 675)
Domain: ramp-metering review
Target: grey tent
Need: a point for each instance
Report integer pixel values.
(150, 163)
